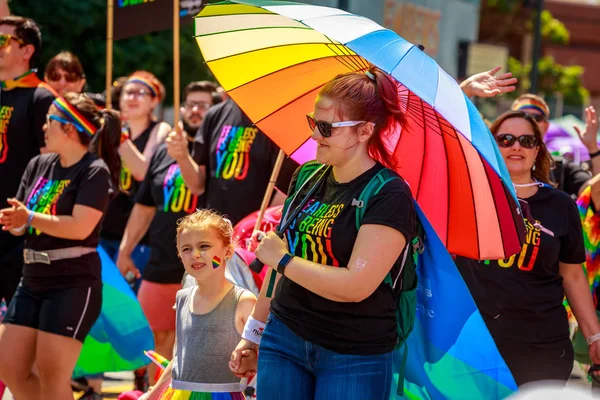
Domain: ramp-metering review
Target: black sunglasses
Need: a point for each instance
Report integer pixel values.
(537, 117)
(507, 140)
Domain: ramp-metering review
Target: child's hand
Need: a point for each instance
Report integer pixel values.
(248, 364)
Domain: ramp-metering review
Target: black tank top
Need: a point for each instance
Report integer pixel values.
(120, 207)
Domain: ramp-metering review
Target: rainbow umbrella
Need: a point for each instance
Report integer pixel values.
(272, 57)
(121, 334)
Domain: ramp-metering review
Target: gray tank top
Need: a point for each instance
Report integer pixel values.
(205, 343)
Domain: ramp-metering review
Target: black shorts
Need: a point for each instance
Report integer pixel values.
(67, 312)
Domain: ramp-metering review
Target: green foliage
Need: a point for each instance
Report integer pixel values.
(80, 27)
(554, 30)
(553, 78)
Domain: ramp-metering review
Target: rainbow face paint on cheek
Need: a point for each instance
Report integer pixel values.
(216, 262)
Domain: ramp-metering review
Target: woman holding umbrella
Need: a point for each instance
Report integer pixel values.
(331, 297)
(521, 298)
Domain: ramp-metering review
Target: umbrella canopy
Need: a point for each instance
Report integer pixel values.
(273, 57)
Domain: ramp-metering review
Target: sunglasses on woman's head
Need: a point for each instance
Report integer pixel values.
(325, 127)
(537, 117)
(71, 77)
(508, 140)
(5, 40)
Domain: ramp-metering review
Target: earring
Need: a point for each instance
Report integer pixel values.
(533, 169)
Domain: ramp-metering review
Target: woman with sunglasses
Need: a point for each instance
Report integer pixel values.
(521, 298)
(331, 328)
(64, 73)
(59, 208)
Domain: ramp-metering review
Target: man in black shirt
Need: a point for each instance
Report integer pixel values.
(235, 161)
(24, 102)
(569, 176)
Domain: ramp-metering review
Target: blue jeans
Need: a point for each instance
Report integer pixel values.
(290, 367)
(140, 257)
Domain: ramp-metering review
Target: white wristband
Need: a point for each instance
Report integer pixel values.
(253, 330)
(593, 339)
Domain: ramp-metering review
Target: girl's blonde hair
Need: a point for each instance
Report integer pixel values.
(205, 218)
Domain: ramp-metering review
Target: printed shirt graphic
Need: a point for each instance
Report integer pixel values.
(44, 196)
(22, 116)
(325, 232)
(120, 207)
(164, 189)
(50, 189)
(233, 152)
(239, 159)
(528, 285)
(5, 115)
(309, 236)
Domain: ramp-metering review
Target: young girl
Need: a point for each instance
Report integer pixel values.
(210, 315)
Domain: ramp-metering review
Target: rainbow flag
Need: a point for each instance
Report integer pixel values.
(451, 354)
(590, 222)
(121, 334)
(157, 359)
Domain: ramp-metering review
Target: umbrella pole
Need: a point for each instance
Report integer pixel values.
(176, 84)
(109, 53)
(270, 187)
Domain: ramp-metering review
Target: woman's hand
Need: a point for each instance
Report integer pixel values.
(594, 351)
(127, 266)
(589, 137)
(13, 217)
(485, 84)
(177, 144)
(271, 249)
(241, 368)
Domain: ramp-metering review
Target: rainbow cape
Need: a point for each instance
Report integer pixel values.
(451, 354)
(590, 222)
(121, 334)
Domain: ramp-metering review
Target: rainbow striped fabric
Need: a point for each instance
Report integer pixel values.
(79, 121)
(174, 394)
(121, 334)
(590, 222)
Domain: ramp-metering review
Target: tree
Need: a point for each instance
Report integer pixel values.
(80, 27)
(511, 20)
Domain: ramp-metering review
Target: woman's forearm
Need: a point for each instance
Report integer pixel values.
(135, 161)
(63, 226)
(139, 221)
(580, 299)
(193, 175)
(332, 283)
(263, 303)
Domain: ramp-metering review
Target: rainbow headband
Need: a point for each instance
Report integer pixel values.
(531, 104)
(79, 121)
(140, 79)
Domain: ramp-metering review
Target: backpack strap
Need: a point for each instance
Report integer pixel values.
(373, 187)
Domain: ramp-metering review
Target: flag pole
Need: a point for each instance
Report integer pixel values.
(176, 84)
(109, 53)
(270, 187)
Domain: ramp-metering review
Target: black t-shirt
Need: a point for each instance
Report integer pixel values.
(51, 189)
(325, 232)
(164, 188)
(22, 116)
(239, 159)
(120, 207)
(521, 298)
(569, 176)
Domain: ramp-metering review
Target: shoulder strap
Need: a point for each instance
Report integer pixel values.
(373, 187)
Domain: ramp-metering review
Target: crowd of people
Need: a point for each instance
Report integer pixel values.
(162, 203)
